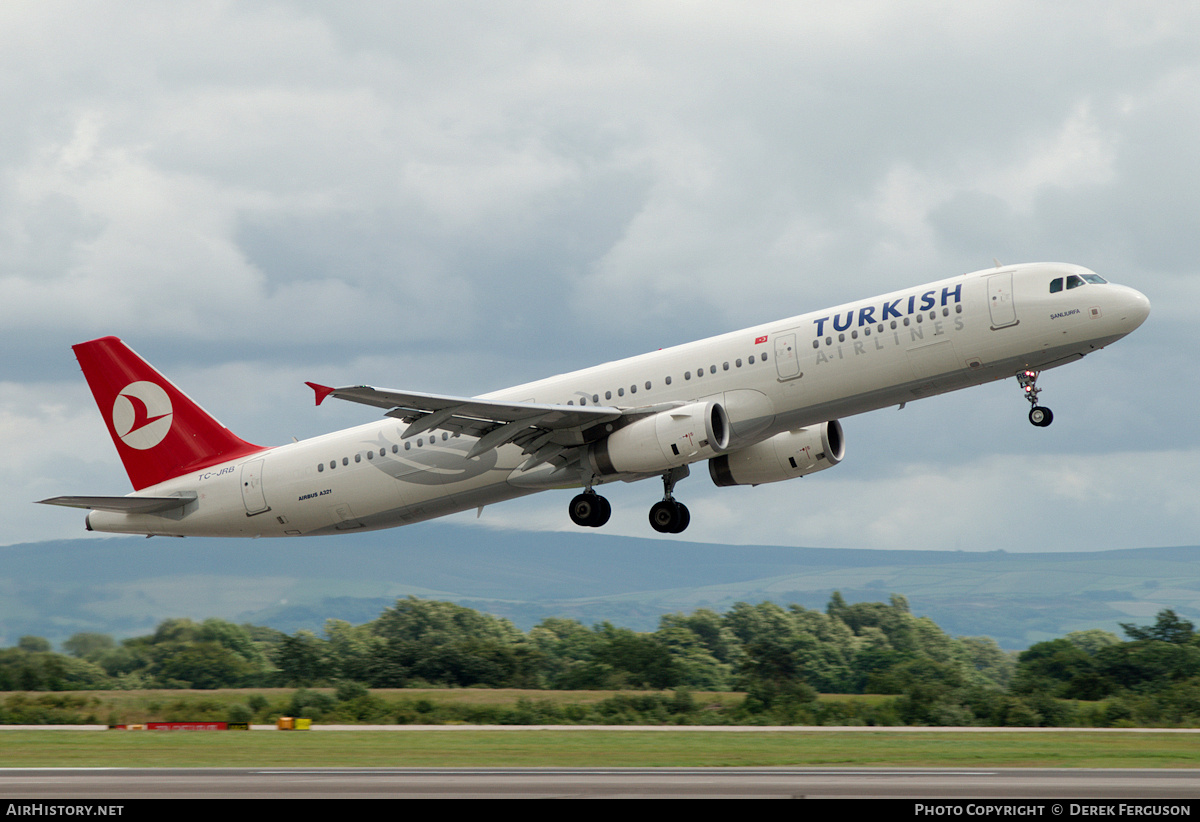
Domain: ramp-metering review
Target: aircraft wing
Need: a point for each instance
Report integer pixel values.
(124, 505)
(544, 430)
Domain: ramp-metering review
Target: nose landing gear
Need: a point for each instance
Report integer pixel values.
(1038, 415)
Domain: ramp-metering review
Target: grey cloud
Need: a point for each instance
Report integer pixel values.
(459, 196)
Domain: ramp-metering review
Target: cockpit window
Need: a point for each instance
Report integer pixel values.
(1074, 281)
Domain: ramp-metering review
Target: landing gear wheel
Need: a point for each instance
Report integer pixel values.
(669, 517)
(605, 511)
(589, 510)
(685, 519)
(1041, 417)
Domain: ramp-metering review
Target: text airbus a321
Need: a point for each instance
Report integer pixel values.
(759, 405)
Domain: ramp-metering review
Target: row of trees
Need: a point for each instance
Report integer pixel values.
(847, 649)
(781, 657)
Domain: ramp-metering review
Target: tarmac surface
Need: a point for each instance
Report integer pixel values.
(966, 784)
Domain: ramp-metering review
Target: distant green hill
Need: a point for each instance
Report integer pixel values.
(125, 586)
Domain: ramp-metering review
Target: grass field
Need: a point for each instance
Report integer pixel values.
(542, 748)
(537, 748)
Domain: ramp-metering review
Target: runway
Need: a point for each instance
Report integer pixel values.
(967, 784)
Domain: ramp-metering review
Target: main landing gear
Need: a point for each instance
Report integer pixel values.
(668, 516)
(1038, 415)
(590, 510)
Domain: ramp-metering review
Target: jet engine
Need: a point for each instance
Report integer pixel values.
(783, 456)
(663, 441)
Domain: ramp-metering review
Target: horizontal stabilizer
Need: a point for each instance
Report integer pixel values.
(124, 505)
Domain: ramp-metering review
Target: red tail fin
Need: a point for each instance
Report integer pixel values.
(159, 432)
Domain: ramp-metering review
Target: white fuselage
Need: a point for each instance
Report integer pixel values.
(771, 378)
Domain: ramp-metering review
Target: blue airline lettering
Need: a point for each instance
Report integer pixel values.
(889, 309)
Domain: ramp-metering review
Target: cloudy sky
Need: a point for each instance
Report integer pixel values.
(455, 197)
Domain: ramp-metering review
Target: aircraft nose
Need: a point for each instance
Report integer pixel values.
(1136, 308)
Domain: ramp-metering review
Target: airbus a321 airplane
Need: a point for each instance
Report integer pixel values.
(759, 405)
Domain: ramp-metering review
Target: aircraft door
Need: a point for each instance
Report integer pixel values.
(787, 358)
(252, 488)
(1000, 300)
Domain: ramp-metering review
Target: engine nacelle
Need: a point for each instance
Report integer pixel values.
(663, 441)
(784, 456)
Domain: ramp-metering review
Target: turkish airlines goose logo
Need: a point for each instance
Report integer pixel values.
(141, 415)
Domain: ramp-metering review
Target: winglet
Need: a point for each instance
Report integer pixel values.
(323, 391)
